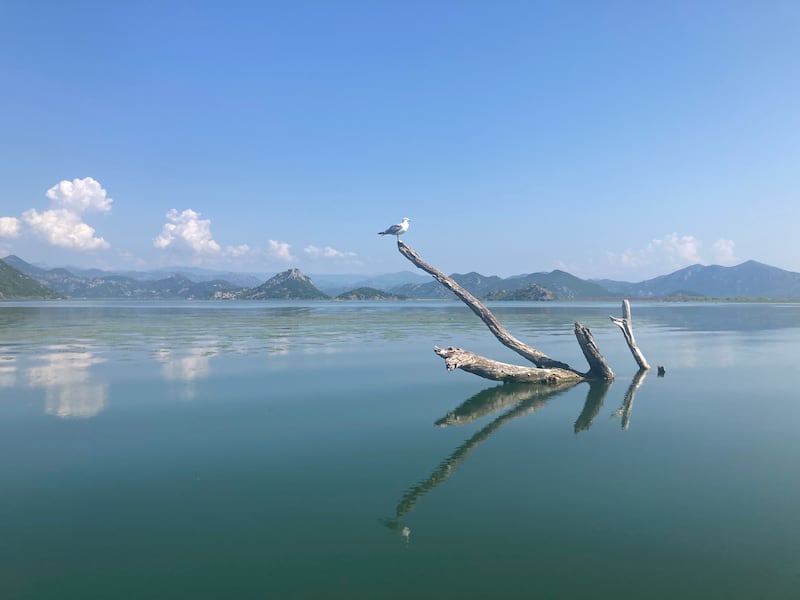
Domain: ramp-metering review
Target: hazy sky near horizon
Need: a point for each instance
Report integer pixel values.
(610, 139)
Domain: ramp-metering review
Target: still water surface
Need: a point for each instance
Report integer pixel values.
(260, 450)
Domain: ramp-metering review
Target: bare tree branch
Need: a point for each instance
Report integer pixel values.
(626, 325)
(540, 359)
(550, 370)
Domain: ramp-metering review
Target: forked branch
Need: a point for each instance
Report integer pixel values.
(548, 370)
(626, 325)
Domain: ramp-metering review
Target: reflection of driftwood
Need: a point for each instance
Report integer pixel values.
(624, 411)
(626, 325)
(594, 401)
(598, 368)
(494, 399)
(526, 404)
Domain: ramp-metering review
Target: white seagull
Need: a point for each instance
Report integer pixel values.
(398, 229)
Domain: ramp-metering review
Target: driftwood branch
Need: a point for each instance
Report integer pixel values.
(598, 368)
(540, 359)
(554, 370)
(456, 358)
(626, 325)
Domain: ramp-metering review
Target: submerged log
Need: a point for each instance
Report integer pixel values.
(456, 358)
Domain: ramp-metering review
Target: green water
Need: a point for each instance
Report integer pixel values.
(256, 450)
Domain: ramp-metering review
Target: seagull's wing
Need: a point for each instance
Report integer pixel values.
(393, 230)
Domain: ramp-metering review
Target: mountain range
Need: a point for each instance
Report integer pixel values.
(15, 284)
(751, 280)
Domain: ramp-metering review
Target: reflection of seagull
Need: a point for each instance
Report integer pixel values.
(398, 229)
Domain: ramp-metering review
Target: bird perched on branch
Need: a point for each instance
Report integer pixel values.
(398, 229)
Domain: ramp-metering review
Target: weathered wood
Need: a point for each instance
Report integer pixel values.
(598, 368)
(484, 367)
(457, 358)
(540, 359)
(626, 325)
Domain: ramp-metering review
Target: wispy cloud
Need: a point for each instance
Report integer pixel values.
(280, 251)
(238, 251)
(63, 224)
(673, 249)
(724, 252)
(671, 252)
(683, 248)
(326, 252)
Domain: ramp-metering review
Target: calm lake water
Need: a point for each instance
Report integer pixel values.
(260, 450)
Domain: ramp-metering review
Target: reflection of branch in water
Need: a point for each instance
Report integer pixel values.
(496, 398)
(535, 399)
(624, 411)
(594, 401)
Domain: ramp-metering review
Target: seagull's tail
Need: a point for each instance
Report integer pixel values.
(381, 233)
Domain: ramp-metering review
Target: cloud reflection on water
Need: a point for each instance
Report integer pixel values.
(65, 377)
(8, 371)
(189, 366)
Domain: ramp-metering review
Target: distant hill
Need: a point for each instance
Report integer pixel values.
(532, 292)
(289, 285)
(337, 284)
(368, 293)
(477, 285)
(563, 286)
(750, 279)
(15, 284)
(66, 283)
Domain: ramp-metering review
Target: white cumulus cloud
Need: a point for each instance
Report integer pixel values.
(80, 195)
(63, 225)
(9, 227)
(186, 229)
(326, 252)
(280, 250)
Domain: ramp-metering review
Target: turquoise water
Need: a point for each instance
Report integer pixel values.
(321, 450)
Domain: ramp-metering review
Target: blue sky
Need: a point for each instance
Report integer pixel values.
(609, 139)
